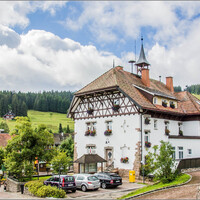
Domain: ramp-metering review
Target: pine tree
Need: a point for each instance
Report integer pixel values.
(60, 130)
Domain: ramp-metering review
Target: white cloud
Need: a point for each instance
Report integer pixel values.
(43, 61)
(14, 13)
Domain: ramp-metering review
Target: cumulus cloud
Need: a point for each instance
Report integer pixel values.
(14, 13)
(43, 61)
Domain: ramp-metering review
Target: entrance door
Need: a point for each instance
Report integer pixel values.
(109, 156)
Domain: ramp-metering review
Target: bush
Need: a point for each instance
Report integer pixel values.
(37, 188)
(33, 186)
(48, 191)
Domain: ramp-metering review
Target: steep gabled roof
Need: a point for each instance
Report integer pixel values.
(132, 86)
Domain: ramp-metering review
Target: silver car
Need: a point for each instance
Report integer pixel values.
(86, 182)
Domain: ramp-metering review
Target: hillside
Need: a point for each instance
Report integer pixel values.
(50, 119)
(197, 95)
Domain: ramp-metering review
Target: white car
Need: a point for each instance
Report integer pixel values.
(86, 182)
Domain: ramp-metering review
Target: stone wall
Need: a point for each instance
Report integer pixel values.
(124, 173)
(13, 186)
(137, 162)
(76, 165)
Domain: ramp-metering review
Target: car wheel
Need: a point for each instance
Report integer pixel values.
(83, 188)
(73, 191)
(103, 185)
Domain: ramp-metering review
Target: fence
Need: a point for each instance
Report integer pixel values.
(189, 163)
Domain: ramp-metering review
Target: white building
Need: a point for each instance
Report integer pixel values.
(121, 115)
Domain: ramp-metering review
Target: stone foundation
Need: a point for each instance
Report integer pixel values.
(76, 165)
(13, 186)
(124, 173)
(137, 162)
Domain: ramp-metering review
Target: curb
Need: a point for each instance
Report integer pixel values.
(164, 188)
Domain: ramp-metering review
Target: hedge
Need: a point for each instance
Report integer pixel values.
(37, 188)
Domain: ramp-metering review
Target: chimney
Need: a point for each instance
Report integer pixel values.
(169, 83)
(119, 67)
(145, 77)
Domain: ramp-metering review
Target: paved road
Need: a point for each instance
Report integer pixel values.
(188, 191)
(110, 193)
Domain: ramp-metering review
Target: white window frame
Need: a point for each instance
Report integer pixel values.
(180, 152)
(91, 126)
(155, 124)
(108, 125)
(146, 136)
(189, 152)
(155, 100)
(174, 153)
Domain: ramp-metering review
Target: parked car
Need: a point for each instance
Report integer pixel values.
(66, 182)
(86, 182)
(109, 179)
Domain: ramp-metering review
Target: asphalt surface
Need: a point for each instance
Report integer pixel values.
(188, 191)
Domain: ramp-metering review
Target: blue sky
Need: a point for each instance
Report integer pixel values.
(60, 45)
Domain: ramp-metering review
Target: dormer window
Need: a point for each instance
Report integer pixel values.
(155, 100)
(164, 103)
(172, 104)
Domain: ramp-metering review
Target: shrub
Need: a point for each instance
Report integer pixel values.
(33, 186)
(48, 191)
(37, 188)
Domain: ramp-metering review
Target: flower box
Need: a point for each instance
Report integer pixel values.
(90, 111)
(164, 104)
(108, 132)
(167, 131)
(87, 133)
(124, 160)
(147, 121)
(180, 132)
(172, 105)
(116, 107)
(147, 144)
(93, 133)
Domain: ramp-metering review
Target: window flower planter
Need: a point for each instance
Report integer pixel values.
(164, 104)
(108, 132)
(90, 111)
(147, 121)
(167, 131)
(87, 133)
(116, 107)
(172, 105)
(124, 160)
(180, 132)
(93, 133)
(147, 144)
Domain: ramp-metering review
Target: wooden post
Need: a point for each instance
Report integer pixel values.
(101, 167)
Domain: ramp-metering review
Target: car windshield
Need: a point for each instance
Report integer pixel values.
(114, 175)
(69, 179)
(92, 178)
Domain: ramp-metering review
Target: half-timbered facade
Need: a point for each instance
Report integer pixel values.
(121, 115)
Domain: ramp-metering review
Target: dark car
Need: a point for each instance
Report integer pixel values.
(66, 182)
(109, 179)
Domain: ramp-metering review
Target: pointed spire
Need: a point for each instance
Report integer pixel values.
(142, 61)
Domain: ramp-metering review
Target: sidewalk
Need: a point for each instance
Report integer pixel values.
(12, 195)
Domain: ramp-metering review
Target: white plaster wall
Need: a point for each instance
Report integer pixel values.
(191, 128)
(118, 139)
(186, 144)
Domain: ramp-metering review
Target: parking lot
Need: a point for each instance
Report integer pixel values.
(109, 193)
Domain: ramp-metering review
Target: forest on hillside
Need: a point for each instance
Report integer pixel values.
(193, 89)
(20, 103)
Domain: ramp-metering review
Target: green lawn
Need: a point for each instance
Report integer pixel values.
(50, 119)
(197, 95)
(181, 179)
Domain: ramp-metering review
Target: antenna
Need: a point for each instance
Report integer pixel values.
(135, 50)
